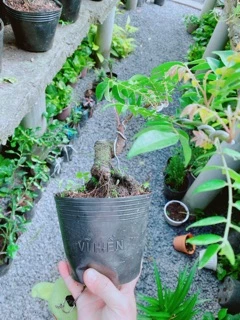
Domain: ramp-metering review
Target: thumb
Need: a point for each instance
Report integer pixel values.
(102, 287)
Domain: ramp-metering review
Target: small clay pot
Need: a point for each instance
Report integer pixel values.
(170, 220)
(180, 244)
(64, 114)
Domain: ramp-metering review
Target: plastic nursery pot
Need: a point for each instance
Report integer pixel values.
(34, 31)
(107, 234)
(64, 114)
(1, 42)
(212, 263)
(176, 213)
(5, 266)
(229, 295)
(171, 194)
(70, 10)
(159, 2)
(3, 14)
(180, 244)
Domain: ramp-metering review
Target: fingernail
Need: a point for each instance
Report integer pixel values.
(92, 275)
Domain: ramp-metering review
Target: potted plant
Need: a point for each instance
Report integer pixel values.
(1, 42)
(180, 243)
(175, 178)
(103, 223)
(176, 213)
(70, 10)
(34, 22)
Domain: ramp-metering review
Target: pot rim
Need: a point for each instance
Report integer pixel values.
(174, 221)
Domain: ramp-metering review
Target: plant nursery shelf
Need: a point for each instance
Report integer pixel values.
(34, 71)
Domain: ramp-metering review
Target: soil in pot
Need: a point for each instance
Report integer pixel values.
(176, 211)
(33, 6)
(103, 224)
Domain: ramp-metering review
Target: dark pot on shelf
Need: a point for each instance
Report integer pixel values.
(34, 31)
(5, 267)
(229, 295)
(3, 14)
(159, 2)
(70, 10)
(1, 42)
(104, 233)
(64, 114)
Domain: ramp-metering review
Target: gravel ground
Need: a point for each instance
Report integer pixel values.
(161, 37)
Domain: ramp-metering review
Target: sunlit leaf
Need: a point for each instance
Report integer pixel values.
(232, 153)
(205, 239)
(208, 222)
(210, 185)
(209, 253)
(227, 251)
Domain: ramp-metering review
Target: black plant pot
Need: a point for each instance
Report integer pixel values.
(1, 42)
(171, 194)
(4, 268)
(229, 295)
(70, 10)
(104, 233)
(3, 14)
(34, 31)
(159, 2)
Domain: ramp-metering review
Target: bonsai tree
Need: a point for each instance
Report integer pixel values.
(210, 109)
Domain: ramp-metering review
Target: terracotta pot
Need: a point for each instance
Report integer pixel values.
(64, 114)
(170, 220)
(180, 244)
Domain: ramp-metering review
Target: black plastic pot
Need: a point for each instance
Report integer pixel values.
(70, 10)
(229, 295)
(34, 31)
(105, 234)
(1, 42)
(159, 2)
(4, 268)
(3, 14)
(171, 194)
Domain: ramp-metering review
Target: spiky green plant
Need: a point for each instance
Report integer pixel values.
(170, 304)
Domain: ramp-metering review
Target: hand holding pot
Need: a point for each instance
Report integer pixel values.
(101, 300)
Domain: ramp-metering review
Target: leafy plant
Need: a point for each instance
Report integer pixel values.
(175, 172)
(122, 44)
(224, 268)
(222, 315)
(170, 304)
(191, 19)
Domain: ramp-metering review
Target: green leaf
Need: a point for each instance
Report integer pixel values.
(224, 56)
(101, 89)
(201, 66)
(232, 153)
(237, 204)
(213, 63)
(210, 185)
(227, 251)
(210, 251)
(233, 226)
(187, 151)
(152, 140)
(222, 314)
(205, 239)
(208, 222)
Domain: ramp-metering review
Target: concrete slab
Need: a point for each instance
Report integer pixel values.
(33, 71)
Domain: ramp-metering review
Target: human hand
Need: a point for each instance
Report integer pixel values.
(101, 300)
